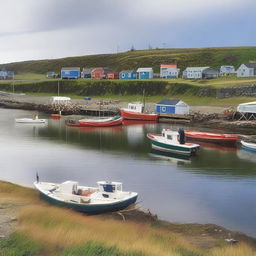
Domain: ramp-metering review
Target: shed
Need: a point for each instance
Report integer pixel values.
(172, 106)
(210, 73)
(100, 73)
(169, 71)
(86, 73)
(128, 74)
(145, 73)
(112, 75)
(70, 73)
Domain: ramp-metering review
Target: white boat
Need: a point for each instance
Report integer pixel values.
(108, 196)
(34, 120)
(168, 141)
(248, 146)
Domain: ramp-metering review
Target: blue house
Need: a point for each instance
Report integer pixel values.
(145, 73)
(70, 73)
(128, 74)
(172, 106)
(6, 74)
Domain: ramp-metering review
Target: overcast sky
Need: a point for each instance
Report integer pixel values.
(43, 29)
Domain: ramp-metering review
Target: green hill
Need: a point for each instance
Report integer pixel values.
(214, 57)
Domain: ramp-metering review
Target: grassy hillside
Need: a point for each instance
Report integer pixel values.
(214, 57)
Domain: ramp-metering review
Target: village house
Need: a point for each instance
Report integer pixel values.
(145, 73)
(172, 106)
(247, 70)
(227, 70)
(101, 72)
(193, 72)
(169, 71)
(86, 72)
(70, 73)
(6, 74)
(210, 73)
(128, 74)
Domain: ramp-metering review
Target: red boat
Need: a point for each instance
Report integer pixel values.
(220, 138)
(100, 122)
(131, 115)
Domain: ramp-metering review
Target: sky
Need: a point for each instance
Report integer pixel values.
(47, 29)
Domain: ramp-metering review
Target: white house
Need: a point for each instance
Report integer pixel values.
(247, 70)
(145, 73)
(227, 70)
(169, 71)
(193, 72)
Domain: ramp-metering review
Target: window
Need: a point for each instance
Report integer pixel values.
(169, 137)
(163, 109)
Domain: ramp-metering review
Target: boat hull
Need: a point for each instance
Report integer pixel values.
(248, 146)
(90, 209)
(96, 123)
(217, 138)
(130, 115)
(31, 121)
(173, 148)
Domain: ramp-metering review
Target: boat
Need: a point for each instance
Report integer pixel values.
(248, 146)
(96, 122)
(220, 138)
(168, 141)
(135, 112)
(33, 120)
(107, 197)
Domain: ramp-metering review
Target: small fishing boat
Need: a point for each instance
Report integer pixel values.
(108, 196)
(135, 112)
(221, 138)
(168, 141)
(248, 146)
(33, 120)
(97, 122)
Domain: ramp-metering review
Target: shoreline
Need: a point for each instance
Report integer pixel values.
(202, 116)
(205, 236)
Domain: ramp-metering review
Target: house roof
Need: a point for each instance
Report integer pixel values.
(127, 71)
(168, 102)
(87, 70)
(145, 70)
(168, 66)
(195, 68)
(250, 65)
(71, 68)
(210, 71)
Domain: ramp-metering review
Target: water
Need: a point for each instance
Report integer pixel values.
(217, 186)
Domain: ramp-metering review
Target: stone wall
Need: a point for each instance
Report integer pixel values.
(237, 91)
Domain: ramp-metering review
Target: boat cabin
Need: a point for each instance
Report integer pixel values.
(135, 107)
(109, 187)
(170, 135)
(69, 187)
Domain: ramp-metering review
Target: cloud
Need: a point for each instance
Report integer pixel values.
(57, 28)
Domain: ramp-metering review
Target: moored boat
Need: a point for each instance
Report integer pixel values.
(248, 146)
(135, 112)
(108, 196)
(168, 141)
(33, 120)
(97, 122)
(221, 138)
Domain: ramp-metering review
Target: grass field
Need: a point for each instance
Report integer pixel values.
(48, 230)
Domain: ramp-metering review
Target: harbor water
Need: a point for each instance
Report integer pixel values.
(216, 186)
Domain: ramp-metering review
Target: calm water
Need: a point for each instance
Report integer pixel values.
(217, 186)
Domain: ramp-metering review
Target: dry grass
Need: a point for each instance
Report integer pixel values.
(63, 228)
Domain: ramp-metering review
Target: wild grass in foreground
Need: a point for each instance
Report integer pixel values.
(47, 230)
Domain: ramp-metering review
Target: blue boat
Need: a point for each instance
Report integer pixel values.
(107, 197)
(248, 146)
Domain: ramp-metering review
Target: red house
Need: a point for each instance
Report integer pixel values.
(100, 73)
(113, 75)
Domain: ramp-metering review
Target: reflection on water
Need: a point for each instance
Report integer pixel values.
(216, 186)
